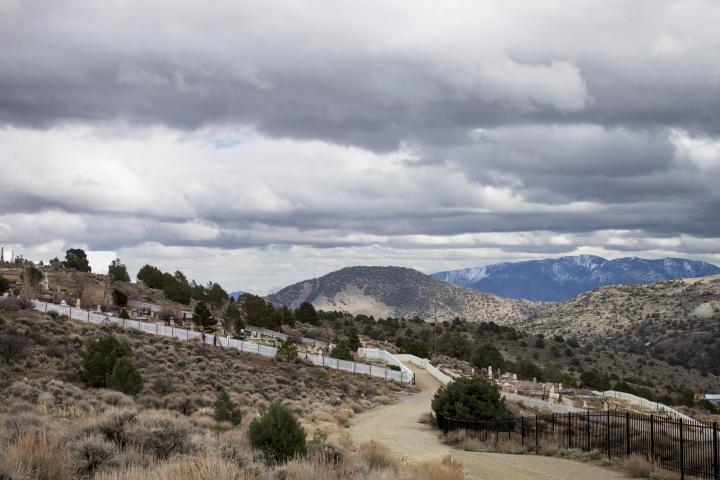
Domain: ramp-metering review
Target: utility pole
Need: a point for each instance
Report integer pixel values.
(435, 332)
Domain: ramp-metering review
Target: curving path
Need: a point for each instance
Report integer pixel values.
(397, 427)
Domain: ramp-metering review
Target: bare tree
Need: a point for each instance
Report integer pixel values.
(12, 347)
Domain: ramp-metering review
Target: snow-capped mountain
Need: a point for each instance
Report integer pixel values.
(558, 279)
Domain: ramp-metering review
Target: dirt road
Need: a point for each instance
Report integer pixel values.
(397, 426)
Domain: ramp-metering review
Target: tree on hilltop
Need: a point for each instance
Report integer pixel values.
(118, 271)
(76, 258)
(151, 277)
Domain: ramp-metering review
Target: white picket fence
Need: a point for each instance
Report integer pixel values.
(425, 363)
(644, 402)
(406, 375)
(243, 346)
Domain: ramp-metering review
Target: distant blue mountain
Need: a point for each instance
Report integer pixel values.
(557, 279)
(236, 294)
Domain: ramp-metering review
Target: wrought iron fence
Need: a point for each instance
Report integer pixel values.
(689, 448)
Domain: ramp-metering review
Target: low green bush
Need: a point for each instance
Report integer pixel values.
(277, 434)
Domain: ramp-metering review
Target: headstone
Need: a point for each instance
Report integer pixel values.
(78, 304)
(490, 373)
(98, 309)
(45, 283)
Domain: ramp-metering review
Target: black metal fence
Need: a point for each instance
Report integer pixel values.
(687, 448)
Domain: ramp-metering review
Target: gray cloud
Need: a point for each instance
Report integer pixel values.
(322, 74)
(373, 133)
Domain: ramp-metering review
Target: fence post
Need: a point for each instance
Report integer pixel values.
(682, 452)
(553, 424)
(569, 430)
(627, 434)
(652, 438)
(587, 425)
(716, 465)
(156, 329)
(522, 430)
(537, 442)
(608, 435)
(497, 432)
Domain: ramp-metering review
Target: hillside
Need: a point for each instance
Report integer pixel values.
(557, 356)
(559, 279)
(678, 321)
(53, 426)
(399, 292)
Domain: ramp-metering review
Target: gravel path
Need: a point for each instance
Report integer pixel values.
(397, 427)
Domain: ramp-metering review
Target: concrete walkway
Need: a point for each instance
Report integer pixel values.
(397, 427)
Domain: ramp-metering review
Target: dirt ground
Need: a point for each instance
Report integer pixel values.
(397, 427)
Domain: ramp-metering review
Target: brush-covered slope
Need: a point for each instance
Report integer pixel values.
(399, 292)
(678, 320)
(558, 279)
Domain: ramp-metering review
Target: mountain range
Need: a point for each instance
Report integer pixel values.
(384, 292)
(558, 279)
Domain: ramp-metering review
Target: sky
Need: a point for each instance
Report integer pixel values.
(259, 143)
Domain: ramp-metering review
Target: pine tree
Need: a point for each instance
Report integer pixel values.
(99, 360)
(118, 272)
(277, 434)
(125, 377)
(306, 314)
(342, 351)
(77, 258)
(226, 410)
(202, 317)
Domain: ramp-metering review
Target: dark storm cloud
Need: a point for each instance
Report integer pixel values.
(302, 78)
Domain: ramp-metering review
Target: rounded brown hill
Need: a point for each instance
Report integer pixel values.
(400, 292)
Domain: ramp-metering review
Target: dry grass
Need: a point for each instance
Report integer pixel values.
(41, 455)
(447, 469)
(473, 443)
(638, 466)
(375, 455)
(318, 467)
(200, 467)
(427, 418)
